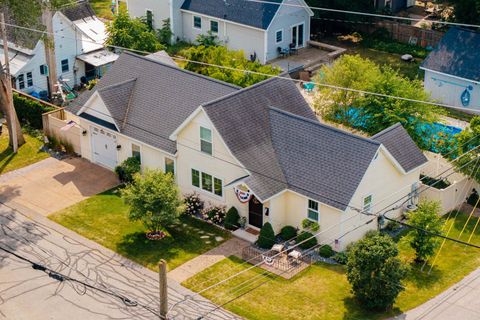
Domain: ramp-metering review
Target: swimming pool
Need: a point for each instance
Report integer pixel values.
(438, 136)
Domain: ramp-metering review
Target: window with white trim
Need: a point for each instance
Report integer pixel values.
(29, 79)
(279, 36)
(367, 204)
(206, 140)
(169, 166)
(207, 182)
(65, 66)
(21, 81)
(44, 70)
(197, 22)
(312, 213)
(136, 153)
(214, 26)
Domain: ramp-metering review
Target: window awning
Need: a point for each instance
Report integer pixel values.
(98, 58)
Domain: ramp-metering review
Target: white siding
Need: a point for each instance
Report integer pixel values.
(287, 17)
(234, 36)
(159, 8)
(448, 90)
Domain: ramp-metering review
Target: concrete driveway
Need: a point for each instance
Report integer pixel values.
(51, 185)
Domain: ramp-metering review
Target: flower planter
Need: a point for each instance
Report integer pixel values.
(155, 235)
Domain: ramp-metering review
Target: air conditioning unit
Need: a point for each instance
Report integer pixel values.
(410, 207)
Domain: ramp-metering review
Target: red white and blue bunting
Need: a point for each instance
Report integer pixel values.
(242, 195)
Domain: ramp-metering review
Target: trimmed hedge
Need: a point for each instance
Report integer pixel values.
(231, 219)
(326, 251)
(312, 241)
(30, 111)
(127, 169)
(266, 238)
(288, 232)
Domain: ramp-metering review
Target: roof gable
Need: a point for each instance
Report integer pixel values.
(254, 14)
(161, 99)
(117, 100)
(400, 145)
(457, 54)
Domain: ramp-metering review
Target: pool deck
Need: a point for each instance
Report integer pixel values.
(455, 122)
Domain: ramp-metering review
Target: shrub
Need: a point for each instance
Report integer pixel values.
(288, 232)
(29, 111)
(193, 204)
(310, 225)
(393, 226)
(266, 238)
(372, 263)
(326, 251)
(473, 198)
(127, 169)
(341, 257)
(312, 241)
(215, 214)
(232, 218)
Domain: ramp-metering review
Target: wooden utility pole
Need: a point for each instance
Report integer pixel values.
(162, 277)
(6, 100)
(49, 44)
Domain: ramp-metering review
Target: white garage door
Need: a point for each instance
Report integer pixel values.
(104, 147)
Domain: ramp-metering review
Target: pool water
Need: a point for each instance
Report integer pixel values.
(439, 137)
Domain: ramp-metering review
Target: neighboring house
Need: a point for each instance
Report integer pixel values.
(257, 28)
(393, 5)
(260, 149)
(79, 52)
(452, 69)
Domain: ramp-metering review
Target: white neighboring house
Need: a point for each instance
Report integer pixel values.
(452, 69)
(259, 29)
(79, 52)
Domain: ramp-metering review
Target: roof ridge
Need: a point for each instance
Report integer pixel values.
(116, 84)
(180, 69)
(318, 123)
(386, 130)
(241, 91)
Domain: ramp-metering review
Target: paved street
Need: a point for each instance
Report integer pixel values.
(26, 293)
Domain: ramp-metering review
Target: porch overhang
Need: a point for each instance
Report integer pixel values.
(98, 58)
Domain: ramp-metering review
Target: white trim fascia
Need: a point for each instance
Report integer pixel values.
(88, 106)
(303, 4)
(185, 122)
(450, 75)
(219, 19)
(129, 138)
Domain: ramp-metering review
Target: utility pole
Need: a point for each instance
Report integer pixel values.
(9, 98)
(49, 44)
(162, 277)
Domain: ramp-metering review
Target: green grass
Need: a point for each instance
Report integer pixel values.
(102, 8)
(27, 154)
(103, 218)
(323, 292)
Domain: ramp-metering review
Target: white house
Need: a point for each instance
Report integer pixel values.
(260, 149)
(80, 56)
(452, 69)
(259, 29)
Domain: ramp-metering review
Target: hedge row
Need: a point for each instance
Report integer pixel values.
(30, 111)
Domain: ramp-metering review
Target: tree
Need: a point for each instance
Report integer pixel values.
(154, 199)
(165, 32)
(374, 271)
(219, 55)
(464, 143)
(426, 217)
(266, 238)
(466, 11)
(132, 33)
(368, 112)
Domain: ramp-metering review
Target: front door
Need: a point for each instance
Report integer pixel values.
(255, 213)
(297, 35)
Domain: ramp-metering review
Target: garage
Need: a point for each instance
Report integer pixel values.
(104, 147)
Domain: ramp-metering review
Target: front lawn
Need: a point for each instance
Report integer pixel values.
(103, 218)
(27, 154)
(323, 292)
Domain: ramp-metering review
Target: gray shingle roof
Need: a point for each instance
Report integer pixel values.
(457, 54)
(79, 10)
(117, 99)
(161, 99)
(255, 14)
(399, 143)
(273, 132)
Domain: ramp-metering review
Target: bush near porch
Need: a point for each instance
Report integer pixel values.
(323, 292)
(103, 218)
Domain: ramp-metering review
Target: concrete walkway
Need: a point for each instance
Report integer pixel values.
(51, 185)
(231, 247)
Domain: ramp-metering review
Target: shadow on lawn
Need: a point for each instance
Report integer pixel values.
(355, 311)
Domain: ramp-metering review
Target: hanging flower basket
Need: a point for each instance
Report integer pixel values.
(156, 235)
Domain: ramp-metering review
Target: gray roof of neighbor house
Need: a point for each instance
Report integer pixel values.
(457, 54)
(80, 10)
(254, 14)
(160, 99)
(274, 133)
(163, 57)
(399, 143)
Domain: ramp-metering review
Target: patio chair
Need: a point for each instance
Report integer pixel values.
(308, 86)
(277, 247)
(293, 48)
(282, 52)
(295, 255)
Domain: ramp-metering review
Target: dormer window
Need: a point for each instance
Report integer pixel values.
(206, 140)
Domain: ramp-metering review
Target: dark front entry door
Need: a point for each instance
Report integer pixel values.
(255, 213)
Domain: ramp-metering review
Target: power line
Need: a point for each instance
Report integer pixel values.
(267, 75)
